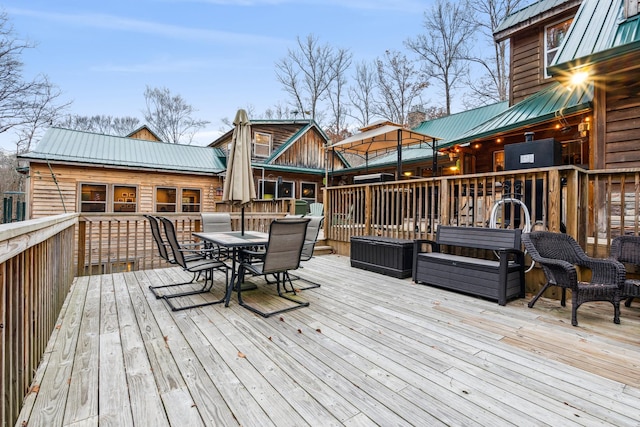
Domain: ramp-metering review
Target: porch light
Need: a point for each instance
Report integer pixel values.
(578, 78)
(407, 173)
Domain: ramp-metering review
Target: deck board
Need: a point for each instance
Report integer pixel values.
(369, 350)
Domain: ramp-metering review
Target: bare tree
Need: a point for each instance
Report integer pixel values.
(40, 110)
(362, 93)
(444, 48)
(107, 125)
(493, 85)
(335, 94)
(307, 73)
(170, 116)
(399, 86)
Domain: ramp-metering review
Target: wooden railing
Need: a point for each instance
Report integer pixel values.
(592, 206)
(111, 244)
(36, 265)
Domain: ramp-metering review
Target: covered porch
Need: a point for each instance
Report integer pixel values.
(369, 350)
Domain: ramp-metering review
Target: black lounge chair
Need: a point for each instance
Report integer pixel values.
(558, 254)
(626, 249)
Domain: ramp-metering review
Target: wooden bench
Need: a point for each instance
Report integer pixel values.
(498, 279)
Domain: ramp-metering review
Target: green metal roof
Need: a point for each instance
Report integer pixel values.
(537, 11)
(452, 126)
(599, 33)
(543, 106)
(446, 128)
(64, 145)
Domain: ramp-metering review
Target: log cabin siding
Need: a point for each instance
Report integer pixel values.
(527, 58)
(307, 152)
(622, 132)
(47, 197)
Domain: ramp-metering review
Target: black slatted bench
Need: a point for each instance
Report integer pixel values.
(497, 279)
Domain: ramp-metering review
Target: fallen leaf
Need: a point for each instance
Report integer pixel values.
(58, 326)
(299, 331)
(241, 354)
(282, 319)
(270, 339)
(318, 331)
(34, 388)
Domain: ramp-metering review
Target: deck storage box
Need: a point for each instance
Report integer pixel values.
(385, 255)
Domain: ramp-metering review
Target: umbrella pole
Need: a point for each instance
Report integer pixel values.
(242, 221)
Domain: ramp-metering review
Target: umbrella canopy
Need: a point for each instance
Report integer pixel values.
(383, 137)
(239, 187)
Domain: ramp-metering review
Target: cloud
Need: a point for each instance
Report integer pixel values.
(408, 6)
(117, 23)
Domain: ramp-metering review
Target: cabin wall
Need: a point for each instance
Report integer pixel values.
(51, 197)
(622, 124)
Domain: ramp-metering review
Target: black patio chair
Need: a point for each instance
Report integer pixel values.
(626, 249)
(282, 254)
(204, 263)
(558, 254)
(164, 252)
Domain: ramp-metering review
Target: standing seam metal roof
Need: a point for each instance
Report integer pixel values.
(528, 12)
(599, 33)
(89, 148)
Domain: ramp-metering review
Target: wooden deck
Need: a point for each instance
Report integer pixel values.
(370, 350)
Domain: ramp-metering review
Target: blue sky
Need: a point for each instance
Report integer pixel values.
(219, 55)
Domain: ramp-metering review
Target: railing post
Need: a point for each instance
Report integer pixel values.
(555, 196)
(368, 209)
(82, 246)
(445, 208)
(575, 217)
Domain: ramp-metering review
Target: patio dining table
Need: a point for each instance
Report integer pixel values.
(236, 241)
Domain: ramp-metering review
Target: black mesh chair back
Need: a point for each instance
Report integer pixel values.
(157, 238)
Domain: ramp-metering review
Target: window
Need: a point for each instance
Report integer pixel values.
(285, 190)
(553, 36)
(93, 198)
(124, 198)
(498, 161)
(308, 191)
(266, 189)
(262, 144)
(165, 199)
(190, 200)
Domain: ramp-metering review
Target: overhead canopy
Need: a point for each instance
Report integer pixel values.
(382, 137)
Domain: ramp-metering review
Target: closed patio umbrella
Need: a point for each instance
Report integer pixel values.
(238, 184)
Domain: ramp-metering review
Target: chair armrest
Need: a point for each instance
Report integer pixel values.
(559, 272)
(519, 255)
(604, 271)
(417, 245)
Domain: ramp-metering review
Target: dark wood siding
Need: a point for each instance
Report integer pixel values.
(623, 124)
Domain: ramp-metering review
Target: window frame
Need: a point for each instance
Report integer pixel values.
(157, 204)
(261, 188)
(129, 203)
(255, 144)
(91, 199)
(291, 185)
(197, 204)
(546, 51)
(315, 190)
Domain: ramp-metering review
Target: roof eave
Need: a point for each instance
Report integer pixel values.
(546, 15)
(560, 71)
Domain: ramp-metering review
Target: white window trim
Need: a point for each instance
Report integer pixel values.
(257, 144)
(545, 52)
